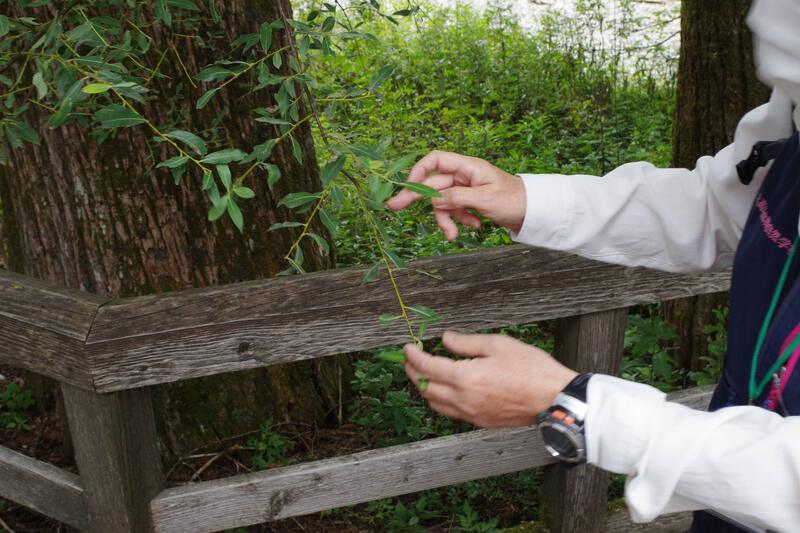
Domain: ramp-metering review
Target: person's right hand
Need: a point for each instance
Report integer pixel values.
(466, 183)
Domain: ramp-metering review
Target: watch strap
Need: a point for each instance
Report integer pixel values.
(578, 386)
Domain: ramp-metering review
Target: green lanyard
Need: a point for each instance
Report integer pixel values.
(756, 388)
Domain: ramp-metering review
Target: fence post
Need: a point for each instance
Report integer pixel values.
(114, 436)
(575, 499)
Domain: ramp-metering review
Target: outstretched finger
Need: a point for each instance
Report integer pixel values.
(434, 368)
(445, 222)
(445, 163)
(470, 345)
(468, 219)
(433, 391)
(406, 197)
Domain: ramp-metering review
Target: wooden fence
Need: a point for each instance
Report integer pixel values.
(107, 353)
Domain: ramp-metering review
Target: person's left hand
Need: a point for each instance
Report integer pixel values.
(505, 383)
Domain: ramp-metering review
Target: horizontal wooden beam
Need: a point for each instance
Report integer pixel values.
(347, 480)
(43, 328)
(312, 487)
(43, 487)
(156, 339)
(620, 522)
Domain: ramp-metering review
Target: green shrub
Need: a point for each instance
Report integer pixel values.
(15, 402)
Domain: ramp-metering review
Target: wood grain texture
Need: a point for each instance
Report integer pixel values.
(307, 488)
(347, 480)
(620, 522)
(575, 499)
(43, 487)
(43, 328)
(115, 447)
(156, 339)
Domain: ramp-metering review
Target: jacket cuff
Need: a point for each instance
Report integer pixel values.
(619, 421)
(549, 209)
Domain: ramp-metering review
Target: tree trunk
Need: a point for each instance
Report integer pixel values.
(100, 218)
(716, 86)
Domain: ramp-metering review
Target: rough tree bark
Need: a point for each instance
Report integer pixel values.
(101, 219)
(716, 86)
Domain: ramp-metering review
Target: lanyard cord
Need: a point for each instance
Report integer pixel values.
(755, 389)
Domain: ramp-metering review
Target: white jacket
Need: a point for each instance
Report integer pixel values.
(743, 462)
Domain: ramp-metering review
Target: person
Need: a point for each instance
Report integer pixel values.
(742, 459)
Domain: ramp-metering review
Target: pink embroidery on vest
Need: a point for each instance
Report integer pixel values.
(770, 230)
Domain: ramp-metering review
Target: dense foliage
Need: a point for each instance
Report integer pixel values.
(478, 83)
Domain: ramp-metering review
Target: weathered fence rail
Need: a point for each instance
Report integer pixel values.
(107, 353)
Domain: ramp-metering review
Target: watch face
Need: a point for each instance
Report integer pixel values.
(559, 442)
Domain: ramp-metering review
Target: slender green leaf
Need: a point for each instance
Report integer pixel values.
(332, 169)
(208, 179)
(296, 199)
(395, 259)
(329, 221)
(244, 192)
(297, 151)
(189, 5)
(5, 25)
(177, 173)
(173, 162)
(195, 142)
(421, 189)
(96, 88)
(24, 131)
(401, 164)
(371, 274)
(163, 13)
(224, 172)
(323, 245)
(273, 175)
(236, 215)
(380, 77)
(212, 7)
(262, 151)
(329, 23)
(214, 73)
(392, 356)
(201, 103)
(41, 87)
(117, 116)
(276, 121)
(282, 225)
(219, 209)
(388, 319)
(265, 36)
(223, 157)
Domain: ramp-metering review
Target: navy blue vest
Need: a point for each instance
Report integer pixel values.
(763, 250)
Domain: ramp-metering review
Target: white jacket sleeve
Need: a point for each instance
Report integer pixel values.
(741, 461)
(639, 215)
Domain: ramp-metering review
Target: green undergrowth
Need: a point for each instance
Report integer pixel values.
(16, 403)
(479, 84)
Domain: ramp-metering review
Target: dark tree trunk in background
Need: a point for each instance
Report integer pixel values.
(100, 219)
(716, 86)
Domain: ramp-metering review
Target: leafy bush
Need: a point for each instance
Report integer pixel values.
(479, 84)
(649, 359)
(269, 448)
(717, 346)
(15, 402)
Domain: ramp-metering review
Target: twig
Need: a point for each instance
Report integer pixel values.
(205, 466)
(6, 526)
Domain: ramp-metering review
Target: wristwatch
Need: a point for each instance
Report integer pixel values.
(562, 425)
